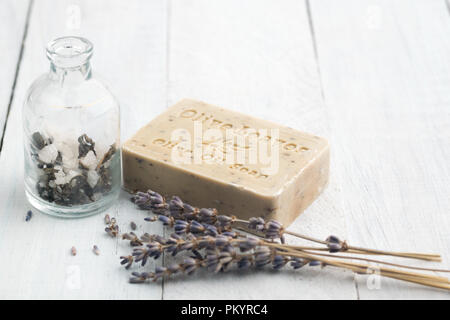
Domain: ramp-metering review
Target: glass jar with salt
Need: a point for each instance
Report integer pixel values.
(71, 135)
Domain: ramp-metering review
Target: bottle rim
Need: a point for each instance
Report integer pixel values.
(69, 51)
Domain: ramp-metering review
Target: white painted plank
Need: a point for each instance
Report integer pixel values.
(256, 57)
(386, 73)
(130, 49)
(12, 25)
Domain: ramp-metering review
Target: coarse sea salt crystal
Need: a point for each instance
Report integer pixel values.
(92, 178)
(60, 176)
(89, 161)
(69, 154)
(48, 154)
(71, 174)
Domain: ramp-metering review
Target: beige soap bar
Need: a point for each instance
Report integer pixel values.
(217, 158)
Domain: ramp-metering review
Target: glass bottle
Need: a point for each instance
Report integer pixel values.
(71, 125)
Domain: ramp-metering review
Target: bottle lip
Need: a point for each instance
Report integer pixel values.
(69, 51)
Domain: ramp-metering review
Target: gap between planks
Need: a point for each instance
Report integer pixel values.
(316, 58)
(16, 73)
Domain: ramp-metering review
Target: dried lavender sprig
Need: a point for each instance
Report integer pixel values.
(220, 253)
(271, 229)
(223, 256)
(139, 241)
(222, 260)
(193, 227)
(175, 244)
(176, 210)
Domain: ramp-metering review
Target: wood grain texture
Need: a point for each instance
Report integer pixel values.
(385, 73)
(256, 57)
(13, 15)
(130, 51)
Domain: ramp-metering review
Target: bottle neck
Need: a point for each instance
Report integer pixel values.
(69, 59)
(72, 75)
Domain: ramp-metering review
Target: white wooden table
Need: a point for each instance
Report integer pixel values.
(371, 76)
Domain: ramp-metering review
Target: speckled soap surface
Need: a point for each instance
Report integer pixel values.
(241, 165)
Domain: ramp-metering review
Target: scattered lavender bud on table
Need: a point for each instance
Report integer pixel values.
(96, 250)
(107, 219)
(133, 225)
(29, 215)
(73, 251)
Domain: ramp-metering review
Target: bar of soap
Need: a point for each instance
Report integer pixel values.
(217, 158)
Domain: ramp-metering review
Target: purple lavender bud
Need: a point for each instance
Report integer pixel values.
(224, 221)
(297, 263)
(127, 261)
(140, 277)
(244, 263)
(189, 212)
(154, 250)
(167, 221)
(29, 215)
(230, 234)
(174, 268)
(207, 215)
(273, 224)
(212, 258)
(278, 262)
(228, 248)
(248, 244)
(175, 236)
(196, 227)
(141, 255)
(333, 239)
(146, 237)
(159, 239)
(225, 258)
(180, 226)
(171, 241)
(334, 247)
(172, 249)
(221, 241)
(176, 207)
(189, 262)
(160, 272)
(176, 202)
(211, 230)
(155, 196)
(262, 256)
(314, 263)
(205, 242)
(187, 246)
(196, 255)
(256, 223)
